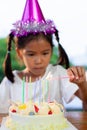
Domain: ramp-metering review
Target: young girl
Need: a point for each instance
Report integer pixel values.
(35, 49)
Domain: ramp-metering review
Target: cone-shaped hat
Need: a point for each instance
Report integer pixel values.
(33, 21)
(32, 11)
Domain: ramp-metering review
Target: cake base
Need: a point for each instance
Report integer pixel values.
(46, 122)
(70, 126)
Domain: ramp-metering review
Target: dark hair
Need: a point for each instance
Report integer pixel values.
(63, 57)
(7, 62)
(23, 40)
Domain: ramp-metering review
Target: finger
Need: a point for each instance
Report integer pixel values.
(70, 73)
(75, 72)
(83, 75)
(81, 72)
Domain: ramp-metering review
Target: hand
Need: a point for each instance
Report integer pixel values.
(77, 74)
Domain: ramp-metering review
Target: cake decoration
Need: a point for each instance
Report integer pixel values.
(36, 108)
(33, 108)
(35, 116)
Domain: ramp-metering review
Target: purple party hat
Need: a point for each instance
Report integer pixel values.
(33, 21)
(32, 11)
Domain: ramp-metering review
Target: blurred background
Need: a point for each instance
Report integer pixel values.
(69, 16)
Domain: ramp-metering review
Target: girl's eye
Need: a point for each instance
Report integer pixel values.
(45, 53)
(30, 54)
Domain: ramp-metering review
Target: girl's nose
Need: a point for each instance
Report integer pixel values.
(38, 60)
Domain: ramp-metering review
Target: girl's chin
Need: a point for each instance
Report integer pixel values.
(38, 74)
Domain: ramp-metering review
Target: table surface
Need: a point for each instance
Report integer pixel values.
(78, 119)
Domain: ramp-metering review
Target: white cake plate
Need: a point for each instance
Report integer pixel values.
(71, 127)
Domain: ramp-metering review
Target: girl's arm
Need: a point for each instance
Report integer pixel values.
(78, 76)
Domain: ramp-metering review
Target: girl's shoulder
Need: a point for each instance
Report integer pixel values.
(7, 82)
(15, 72)
(17, 79)
(56, 70)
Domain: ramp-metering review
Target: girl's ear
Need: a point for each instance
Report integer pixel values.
(19, 53)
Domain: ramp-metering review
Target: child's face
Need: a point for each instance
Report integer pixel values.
(36, 56)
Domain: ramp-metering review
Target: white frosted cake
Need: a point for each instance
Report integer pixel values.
(36, 116)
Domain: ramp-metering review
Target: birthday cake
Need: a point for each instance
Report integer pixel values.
(36, 116)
